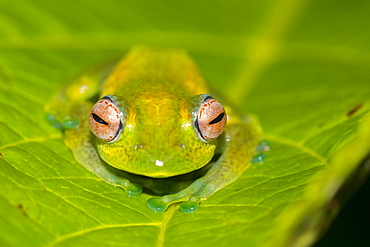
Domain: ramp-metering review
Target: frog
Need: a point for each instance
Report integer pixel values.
(140, 120)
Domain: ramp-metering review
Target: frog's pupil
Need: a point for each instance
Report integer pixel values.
(99, 119)
(196, 124)
(218, 118)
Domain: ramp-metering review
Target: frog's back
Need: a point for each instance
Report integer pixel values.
(157, 72)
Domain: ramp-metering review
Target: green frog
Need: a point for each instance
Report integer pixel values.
(151, 115)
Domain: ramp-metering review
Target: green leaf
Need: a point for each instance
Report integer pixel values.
(300, 66)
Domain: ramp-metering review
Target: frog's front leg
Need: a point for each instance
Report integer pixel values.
(81, 142)
(69, 109)
(241, 141)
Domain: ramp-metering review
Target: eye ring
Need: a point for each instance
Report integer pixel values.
(210, 118)
(106, 119)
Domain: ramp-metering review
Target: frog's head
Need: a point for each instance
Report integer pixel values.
(154, 138)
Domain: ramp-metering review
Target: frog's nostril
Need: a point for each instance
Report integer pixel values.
(138, 146)
(182, 146)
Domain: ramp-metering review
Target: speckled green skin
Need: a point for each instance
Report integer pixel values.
(156, 88)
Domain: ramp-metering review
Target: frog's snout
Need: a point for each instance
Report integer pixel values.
(160, 159)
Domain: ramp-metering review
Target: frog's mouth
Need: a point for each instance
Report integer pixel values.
(157, 164)
(169, 166)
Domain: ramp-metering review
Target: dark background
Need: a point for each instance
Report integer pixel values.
(352, 226)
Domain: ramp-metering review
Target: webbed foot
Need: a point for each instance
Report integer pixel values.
(65, 124)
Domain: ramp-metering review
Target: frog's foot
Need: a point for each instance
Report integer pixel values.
(131, 189)
(216, 178)
(160, 205)
(261, 150)
(188, 198)
(65, 124)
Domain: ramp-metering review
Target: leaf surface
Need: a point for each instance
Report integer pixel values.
(301, 66)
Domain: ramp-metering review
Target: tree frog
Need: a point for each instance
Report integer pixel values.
(150, 117)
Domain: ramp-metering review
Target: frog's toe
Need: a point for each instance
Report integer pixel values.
(65, 124)
(157, 204)
(53, 121)
(259, 158)
(261, 150)
(189, 206)
(132, 189)
(70, 123)
(188, 203)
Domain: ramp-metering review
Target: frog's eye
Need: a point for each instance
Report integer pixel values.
(210, 119)
(105, 120)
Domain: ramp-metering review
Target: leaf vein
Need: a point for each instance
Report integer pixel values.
(97, 228)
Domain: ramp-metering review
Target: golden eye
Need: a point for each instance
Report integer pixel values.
(211, 119)
(105, 120)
